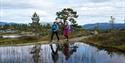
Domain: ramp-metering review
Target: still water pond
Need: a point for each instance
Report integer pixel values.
(77, 53)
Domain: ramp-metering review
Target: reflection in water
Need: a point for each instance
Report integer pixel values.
(68, 51)
(77, 53)
(54, 54)
(36, 53)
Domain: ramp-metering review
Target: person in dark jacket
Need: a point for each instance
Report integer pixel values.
(54, 30)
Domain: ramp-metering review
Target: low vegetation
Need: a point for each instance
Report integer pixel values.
(34, 39)
(114, 40)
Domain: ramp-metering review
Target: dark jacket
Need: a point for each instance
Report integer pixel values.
(54, 27)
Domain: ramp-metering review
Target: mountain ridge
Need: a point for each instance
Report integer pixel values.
(103, 26)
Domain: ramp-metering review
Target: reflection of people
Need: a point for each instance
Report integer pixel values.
(66, 30)
(54, 54)
(36, 51)
(68, 51)
(54, 30)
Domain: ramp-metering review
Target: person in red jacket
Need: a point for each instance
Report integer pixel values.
(66, 30)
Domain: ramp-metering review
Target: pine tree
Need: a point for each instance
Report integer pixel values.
(112, 21)
(67, 14)
(35, 23)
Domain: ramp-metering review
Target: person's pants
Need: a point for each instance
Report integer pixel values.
(53, 35)
(66, 35)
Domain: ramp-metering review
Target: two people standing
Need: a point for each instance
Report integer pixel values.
(55, 28)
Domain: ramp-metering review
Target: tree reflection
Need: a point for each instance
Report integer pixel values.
(36, 53)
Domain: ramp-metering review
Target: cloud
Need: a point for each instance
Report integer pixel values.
(90, 11)
(24, 4)
(99, 0)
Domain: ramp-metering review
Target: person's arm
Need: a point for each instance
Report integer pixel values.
(61, 23)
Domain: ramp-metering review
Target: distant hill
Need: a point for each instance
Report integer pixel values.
(103, 26)
(43, 23)
(3, 23)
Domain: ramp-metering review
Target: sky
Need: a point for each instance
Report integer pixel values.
(89, 11)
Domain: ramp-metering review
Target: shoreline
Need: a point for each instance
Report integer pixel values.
(73, 40)
(104, 47)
